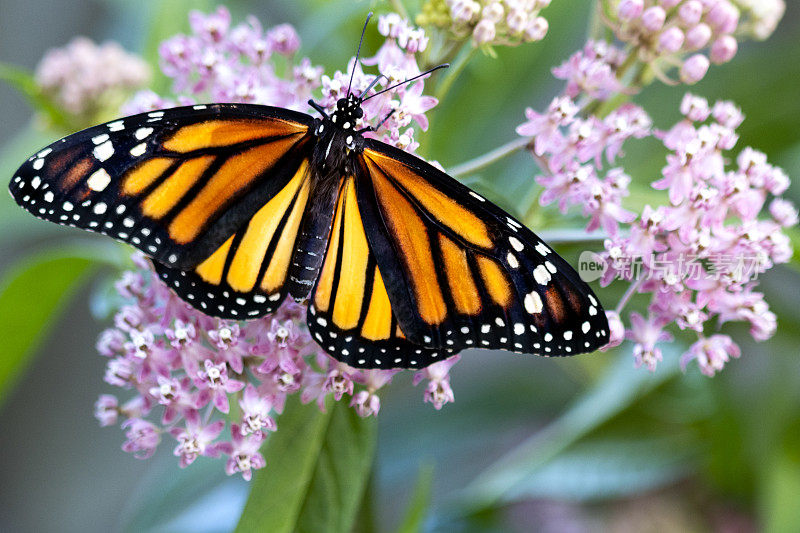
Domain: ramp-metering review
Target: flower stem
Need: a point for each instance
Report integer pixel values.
(400, 9)
(571, 236)
(627, 296)
(483, 161)
(461, 60)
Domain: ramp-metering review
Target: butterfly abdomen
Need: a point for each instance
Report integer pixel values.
(313, 238)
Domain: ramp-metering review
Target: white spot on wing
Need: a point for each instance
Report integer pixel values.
(103, 151)
(512, 260)
(100, 208)
(533, 303)
(100, 139)
(541, 275)
(99, 180)
(142, 133)
(516, 244)
(139, 149)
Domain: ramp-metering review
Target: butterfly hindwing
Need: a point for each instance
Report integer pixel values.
(349, 312)
(462, 273)
(175, 183)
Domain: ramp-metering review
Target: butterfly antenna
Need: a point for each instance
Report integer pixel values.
(370, 86)
(443, 65)
(358, 52)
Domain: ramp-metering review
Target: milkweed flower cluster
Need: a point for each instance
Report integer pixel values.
(396, 61)
(690, 34)
(698, 256)
(488, 22)
(213, 386)
(84, 77)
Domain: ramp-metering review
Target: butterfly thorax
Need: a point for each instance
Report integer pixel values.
(338, 137)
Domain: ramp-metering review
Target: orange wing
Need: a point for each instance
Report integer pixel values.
(349, 312)
(459, 272)
(177, 183)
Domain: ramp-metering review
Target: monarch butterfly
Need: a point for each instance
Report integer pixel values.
(240, 205)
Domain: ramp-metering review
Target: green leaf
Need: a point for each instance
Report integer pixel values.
(619, 388)
(33, 292)
(23, 80)
(781, 487)
(794, 237)
(419, 503)
(603, 469)
(317, 468)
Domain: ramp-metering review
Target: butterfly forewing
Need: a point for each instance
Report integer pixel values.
(246, 276)
(462, 273)
(176, 183)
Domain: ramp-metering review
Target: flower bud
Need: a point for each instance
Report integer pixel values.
(723, 49)
(630, 9)
(537, 29)
(670, 40)
(484, 31)
(694, 68)
(723, 17)
(690, 12)
(653, 18)
(698, 36)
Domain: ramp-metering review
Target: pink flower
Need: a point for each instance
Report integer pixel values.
(215, 378)
(243, 452)
(592, 71)
(142, 437)
(711, 353)
(255, 412)
(106, 409)
(195, 440)
(367, 403)
(339, 381)
(616, 330)
(646, 333)
(438, 391)
(79, 75)
(545, 128)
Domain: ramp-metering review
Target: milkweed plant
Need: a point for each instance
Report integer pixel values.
(690, 258)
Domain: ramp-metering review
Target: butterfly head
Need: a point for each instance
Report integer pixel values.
(348, 111)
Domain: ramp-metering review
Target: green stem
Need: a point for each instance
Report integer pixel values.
(399, 8)
(483, 161)
(466, 54)
(571, 236)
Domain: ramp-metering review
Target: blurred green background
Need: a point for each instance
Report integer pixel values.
(531, 444)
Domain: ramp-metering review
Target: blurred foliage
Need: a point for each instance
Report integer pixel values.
(590, 431)
(318, 464)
